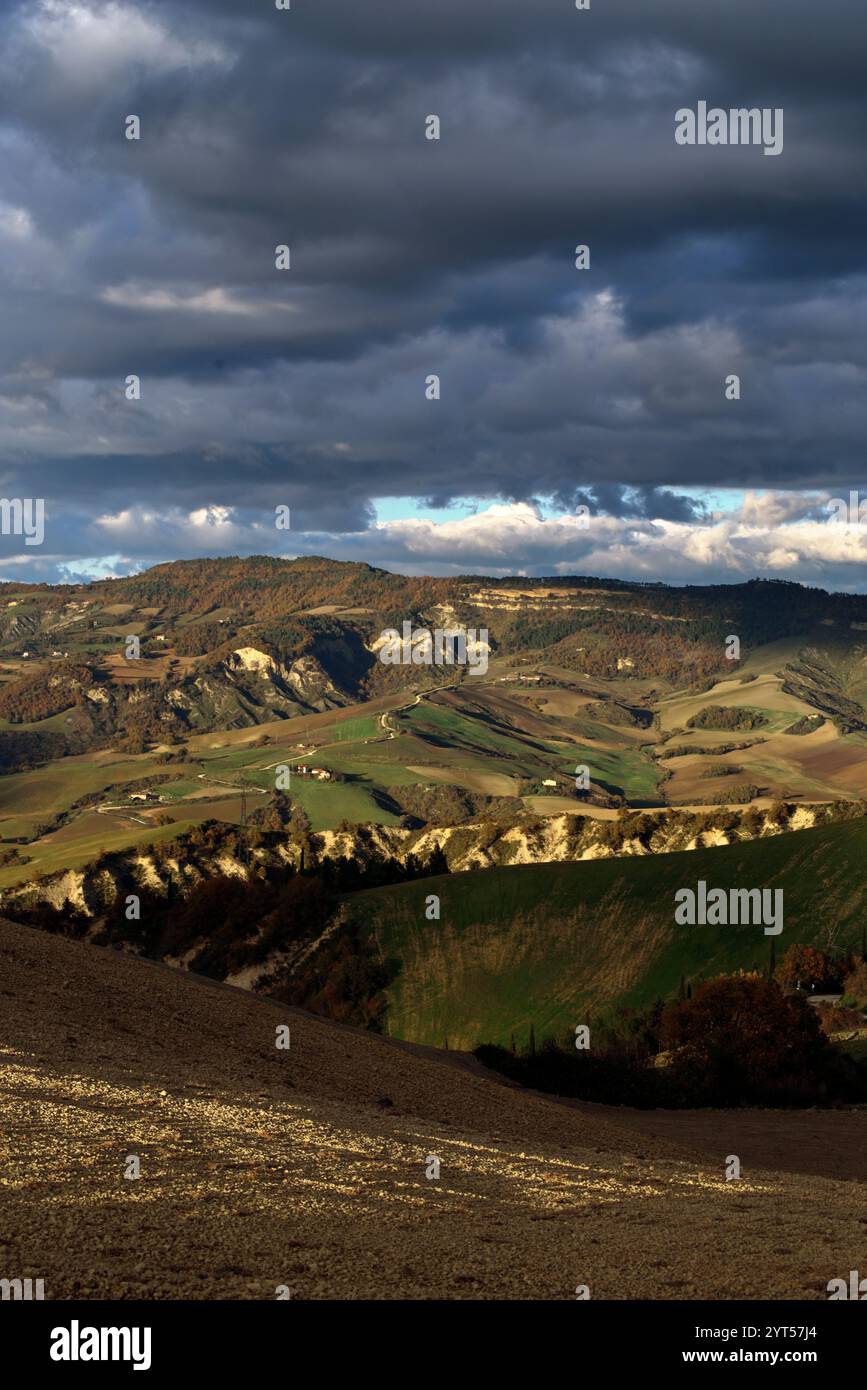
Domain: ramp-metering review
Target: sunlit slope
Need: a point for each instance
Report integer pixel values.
(551, 944)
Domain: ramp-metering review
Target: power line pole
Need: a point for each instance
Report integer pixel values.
(245, 856)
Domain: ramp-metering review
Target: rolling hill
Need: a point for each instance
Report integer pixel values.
(599, 695)
(553, 944)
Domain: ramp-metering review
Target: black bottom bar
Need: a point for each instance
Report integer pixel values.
(271, 1339)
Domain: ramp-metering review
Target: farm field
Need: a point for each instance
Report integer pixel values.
(765, 693)
(94, 836)
(534, 719)
(490, 741)
(819, 765)
(206, 787)
(54, 787)
(217, 1122)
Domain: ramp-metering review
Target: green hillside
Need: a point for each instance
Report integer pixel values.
(549, 943)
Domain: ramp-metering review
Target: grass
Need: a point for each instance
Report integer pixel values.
(54, 723)
(552, 944)
(66, 853)
(176, 790)
(353, 730)
(328, 803)
(472, 743)
(457, 737)
(57, 785)
(627, 768)
(382, 774)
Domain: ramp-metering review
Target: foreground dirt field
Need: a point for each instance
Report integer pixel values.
(306, 1168)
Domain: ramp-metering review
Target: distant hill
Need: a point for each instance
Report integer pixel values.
(294, 607)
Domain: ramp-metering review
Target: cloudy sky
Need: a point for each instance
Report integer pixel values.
(560, 389)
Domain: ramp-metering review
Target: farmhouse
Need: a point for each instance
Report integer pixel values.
(321, 774)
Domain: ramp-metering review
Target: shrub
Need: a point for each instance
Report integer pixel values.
(738, 1041)
(855, 986)
(741, 1040)
(727, 717)
(806, 968)
(737, 794)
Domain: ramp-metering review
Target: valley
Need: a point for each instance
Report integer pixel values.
(438, 880)
(610, 754)
(81, 733)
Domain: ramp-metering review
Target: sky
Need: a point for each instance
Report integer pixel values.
(582, 424)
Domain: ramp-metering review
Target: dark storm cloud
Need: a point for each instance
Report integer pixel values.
(611, 499)
(412, 257)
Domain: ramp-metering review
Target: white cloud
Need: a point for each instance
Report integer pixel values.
(515, 538)
(499, 531)
(96, 42)
(205, 530)
(735, 546)
(212, 516)
(766, 509)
